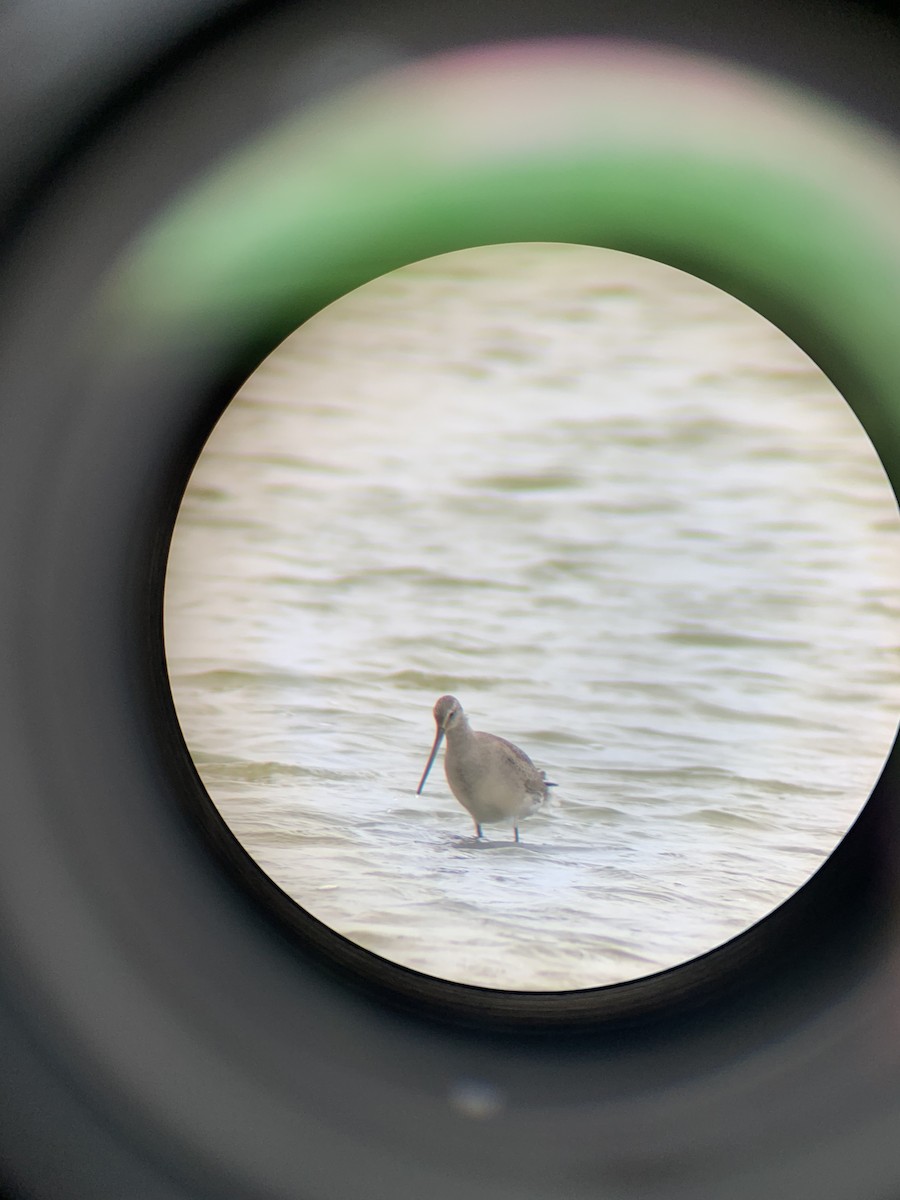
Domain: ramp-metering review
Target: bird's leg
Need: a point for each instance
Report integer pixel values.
(516, 831)
(477, 829)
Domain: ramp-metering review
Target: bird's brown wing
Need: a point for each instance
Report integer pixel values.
(535, 781)
(514, 754)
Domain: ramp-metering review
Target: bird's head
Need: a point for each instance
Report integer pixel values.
(448, 712)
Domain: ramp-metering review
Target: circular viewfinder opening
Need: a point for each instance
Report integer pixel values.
(577, 500)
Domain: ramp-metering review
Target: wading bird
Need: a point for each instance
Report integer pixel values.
(490, 777)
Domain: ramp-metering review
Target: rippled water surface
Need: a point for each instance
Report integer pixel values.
(625, 521)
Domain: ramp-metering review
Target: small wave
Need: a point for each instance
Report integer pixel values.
(554, 382)
(780, 718)
(556, 737)
(530, 481)
(369, 575)
(720, 638)
(248, 771)
(721, 818)
(513, 355)
(431, 681)
(801, 378)
(611, 291)
(601, 813)
(214, 495)
(466, 370)
(225, 680)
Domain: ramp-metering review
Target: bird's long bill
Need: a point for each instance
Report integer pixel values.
(438, 738)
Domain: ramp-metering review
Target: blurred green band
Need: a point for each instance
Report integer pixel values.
(779, 198)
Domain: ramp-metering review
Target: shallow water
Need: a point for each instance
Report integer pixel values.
(628, 524)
